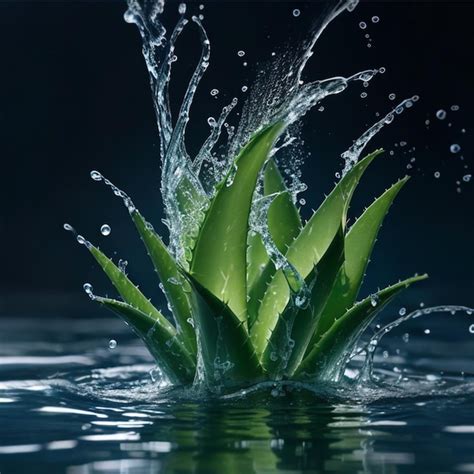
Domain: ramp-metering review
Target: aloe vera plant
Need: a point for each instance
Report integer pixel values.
(238, 315)
(248, 302)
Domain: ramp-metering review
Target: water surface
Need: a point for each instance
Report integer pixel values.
(69, 403)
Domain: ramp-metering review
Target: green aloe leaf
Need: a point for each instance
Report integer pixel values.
(328, 356)
(143, 316)
(359, 244)
(172, 357)
(175, 285)
(306, 251)
(295, 326)
(219, 257)
(128, 291)
(227, 354)
(284, 224)
(284, 220)
(190, 204)
(306, 322)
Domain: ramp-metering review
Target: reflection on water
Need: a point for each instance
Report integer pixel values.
(70, 404)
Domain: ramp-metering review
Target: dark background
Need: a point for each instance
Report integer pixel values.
(74, 96)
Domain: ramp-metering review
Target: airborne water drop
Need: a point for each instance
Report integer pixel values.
(454, 148)
(441, 114)
(96, 176)
(105, 229)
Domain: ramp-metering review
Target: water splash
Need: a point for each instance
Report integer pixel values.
(279, 94)
(367, 371)
(352, 155)
(187, 184)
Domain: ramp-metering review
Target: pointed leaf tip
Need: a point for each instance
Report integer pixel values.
(219, 259)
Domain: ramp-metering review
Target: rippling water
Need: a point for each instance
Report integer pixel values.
(70, 404)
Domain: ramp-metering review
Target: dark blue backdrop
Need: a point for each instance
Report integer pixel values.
(74, 96)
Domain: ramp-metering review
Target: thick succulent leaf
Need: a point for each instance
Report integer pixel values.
(359, 243)
(263, 276)
(292, 333)
(128, 291)
(319, 231)
(284, 221)
(219, 257)
(224, 346)
(171, 355)
(190, 203)
(327, 357)
(306, 251)
(175, 285)
(284, 224)
(326, 273)
(280, 344)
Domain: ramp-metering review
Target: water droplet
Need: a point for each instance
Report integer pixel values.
(112, 344)
(402, 311)
(362, 25)
(302, 201)
(454, 148)
(351, 5)
(296, 12)
(96, 176)
(68, 227)
(455, 108)
(244, 64)
(244, 88)
(105, 229)
(382, 70)
(122, 264)
(321, 108)
(211, 121)
(375, 19)
(441, 114)
(385, 354)
(437, 174)
(363, 95)
(406, 337)
(214, 92)
(240, 53)
(87, 287)
(374, 300)
(182, 8)
(365, 84)
(471, 328)
(427, 331)
(81, 240)
(466, 178)
(392, 96)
